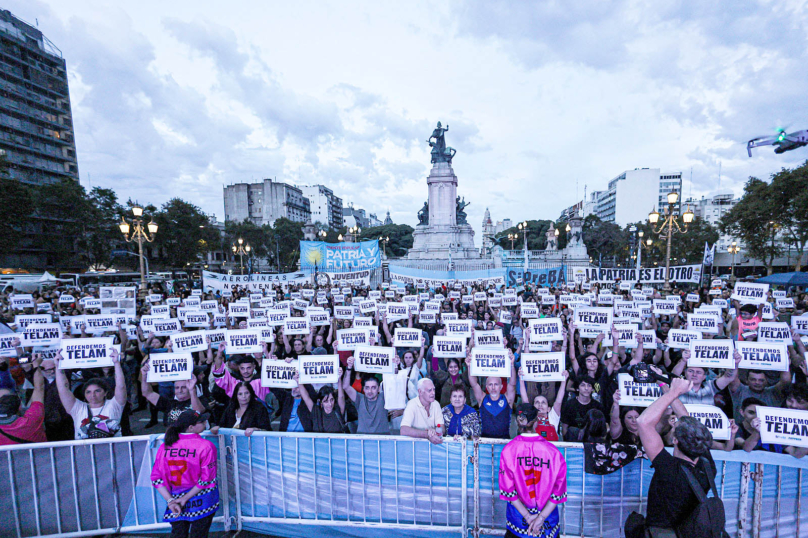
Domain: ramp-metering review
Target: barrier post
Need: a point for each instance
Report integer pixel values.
(743, 498)
(757, 503)
(476, 460)
(223, 482)
(233, 449)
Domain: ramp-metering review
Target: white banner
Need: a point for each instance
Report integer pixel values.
(448, 347)
(279, 374)
(655, 275)
(665, 307)
(490, 362)
(86, 353)
(546, 329)
(763, 356)
(350, 339)
(166, 327)
(253, 283)
(749, 293)
(711, 354)
(100, 323)
(712, 417)
(783, 426)
(319, 369)
(541, 367)
(243, 341)
(22, 321)
(374, 359)
(488, 339)
(799, 324)
(637, 394)
(170, 367)
(189, 342)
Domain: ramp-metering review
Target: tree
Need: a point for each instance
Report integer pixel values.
(789, 192)
(400, 238)
(536, 236)
(184, 233)
(687, 248)
(101, 233)
(755, 220)
(256, 236)
(16, 209)
(287, 235)
(604, 239)
(62, 213)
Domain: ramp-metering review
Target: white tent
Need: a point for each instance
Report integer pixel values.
(47, 277)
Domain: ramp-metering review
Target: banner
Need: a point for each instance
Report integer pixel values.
(86, 353)
(545, 329)
(783, 426)
(100, 323)
(243, 341)
(548, 276)
(747, 292)
(189, 342)
(318, 369)
(433, 279)
(799, 324)
(460, 328)
(170, 367)
(763, 356)
(637, 394)
(22, 321)
(654, 275)
(711, 354)
(712, 417)
(340, 257)
(279, 374)
(166, 327)
(594, 318)
(374, 359)
(350, 339)
(490, 362)
(540, 367)
(253, 282)
(448, 347)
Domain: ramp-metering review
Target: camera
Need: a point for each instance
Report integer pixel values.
(642, 373)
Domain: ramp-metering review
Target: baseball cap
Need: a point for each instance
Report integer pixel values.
(189, 417)
(528, 411)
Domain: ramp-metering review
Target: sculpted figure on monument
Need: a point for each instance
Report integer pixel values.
(440, 152)
(423, 214)
(461, 214)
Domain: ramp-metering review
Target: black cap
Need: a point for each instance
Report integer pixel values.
(528, 411)
(188, 418)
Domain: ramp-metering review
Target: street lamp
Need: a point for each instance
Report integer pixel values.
(322, 234)
(139, 234)
(513, 237)
(351, 235)
(384, 241)
(733, 249)
(670, 225)
(241, 250)
(523, 226)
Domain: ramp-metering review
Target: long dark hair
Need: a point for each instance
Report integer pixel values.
(233, 403)
(595, 429)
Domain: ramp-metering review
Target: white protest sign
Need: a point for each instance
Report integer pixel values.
(785, 303)
(763, 356)
(162, 310)
(92, 304)
(680, 339)
(42, 334)
(460, 328)
(427, 317)
(100, 323)
(774, 333)
(21, 302)
(448, 316)
(278, 374)
(189, 342)
(22, 321)
(505, 317)
(783, 426)
(637, 394)
(374, 359)
(723, 304)
(277, 318)
(704, 323)
(490, 362)
(693, 298)
(66, 298)
(404, 337)
(86, 352)
(626, 335)
(243, 341)
(7, 348)
(648, 339)
(665, 307)
(480, 296)
(170, 367)
(546, 329)
(595, 318)
(449, 347)
(198, 319)
(241, 310)
(318, 369)
(712, 417)
(799, 324)
(343, 312)
(529, 311)
(350, 339)
(166, 327)
(747, 292)
(319, 318)
(489, 339)
(294, 326)
(363, 322)
(711, 354)
(216, 336)
(541, 367)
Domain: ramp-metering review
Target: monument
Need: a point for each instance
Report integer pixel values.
(442, 231)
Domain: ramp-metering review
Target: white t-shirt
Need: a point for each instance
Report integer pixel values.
(104, 419)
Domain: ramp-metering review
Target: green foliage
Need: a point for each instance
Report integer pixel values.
(687, 248)
(604, 239)
(287, 234)
(184, 233)
(789, 191)
(754, 220)
(101, 232)
(16, 208)
(63, 211)
(400, 238)
(257, 237)
(536, 236)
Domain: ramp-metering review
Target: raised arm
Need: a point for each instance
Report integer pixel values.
(304, 394)
(650, 438)
(729, 376)
(510, 392)
(66, 397)
(145, 387)
(346, 381)
(120, 378)
(475, 385)
(561, 394)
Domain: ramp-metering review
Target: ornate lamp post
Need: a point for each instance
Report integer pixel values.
(351, 235)
(733, 249)
(139, 234)
(523, 226)
(241, 250)
(670, 225)
(384, 241)
(513, 237)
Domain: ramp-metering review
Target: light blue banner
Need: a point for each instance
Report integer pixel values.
(432, 279)
(340, 257)
(548, 276)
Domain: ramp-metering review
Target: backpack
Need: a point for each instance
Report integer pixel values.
(707, 520)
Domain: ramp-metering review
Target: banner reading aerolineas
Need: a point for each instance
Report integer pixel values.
(339, 257)
(655, 275)
(254, 282)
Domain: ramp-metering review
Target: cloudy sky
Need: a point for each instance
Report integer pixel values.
(542, 98)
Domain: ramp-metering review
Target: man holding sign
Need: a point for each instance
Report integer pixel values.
(495, 408)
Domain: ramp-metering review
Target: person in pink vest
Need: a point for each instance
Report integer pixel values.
(533, 479)
(184, 473)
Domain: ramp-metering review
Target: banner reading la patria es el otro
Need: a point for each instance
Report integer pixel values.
(339, 257)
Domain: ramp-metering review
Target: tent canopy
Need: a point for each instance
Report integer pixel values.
(47, 277)
(785, 279)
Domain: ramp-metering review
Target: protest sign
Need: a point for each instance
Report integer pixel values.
(24, 320)
(363, 321)
(541, 367)
(783, 426)
(665, 307)
(626, 335)
(42, 334)
(7, 348)
(505, 317)
(193, 302)
(449, 347)
(704, 323)
(343, 312)
(161, 310)
(367, 307)
(721, 303)
(170, 367)
(404, 337)
(763, 356)
(350, 339)
(785, 303)
(712, 417)
(21, 301)
(86, 352)
(277, 318)
(241, 310)
(509, 300)
(173, 301)
(529, 310)
(318, 369)
(680, 339)
(648, 339)
(374, 359)
(539, 346)
(693, 298)
(767, 312)
(460, 328)
(197, 319)
(750, 293)
(243, 341)
(637, 394)
(490, 362)
(279, 374)
(709, 309)
(595, 318)
(448, 316)
(216, 336)
(711, 354)
(66, 298)
(650, 275)
(488, 339)
(294, 326)
(480, 296)
(189, 342)
(546, 329)
(427, 317)
(99, 323)
(799, 324)
(319, 318)
(774, 333)
(166, 327)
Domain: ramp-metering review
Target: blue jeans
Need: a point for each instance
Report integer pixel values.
(166, 390)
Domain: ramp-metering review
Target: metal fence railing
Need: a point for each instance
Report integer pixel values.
(279, 483)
